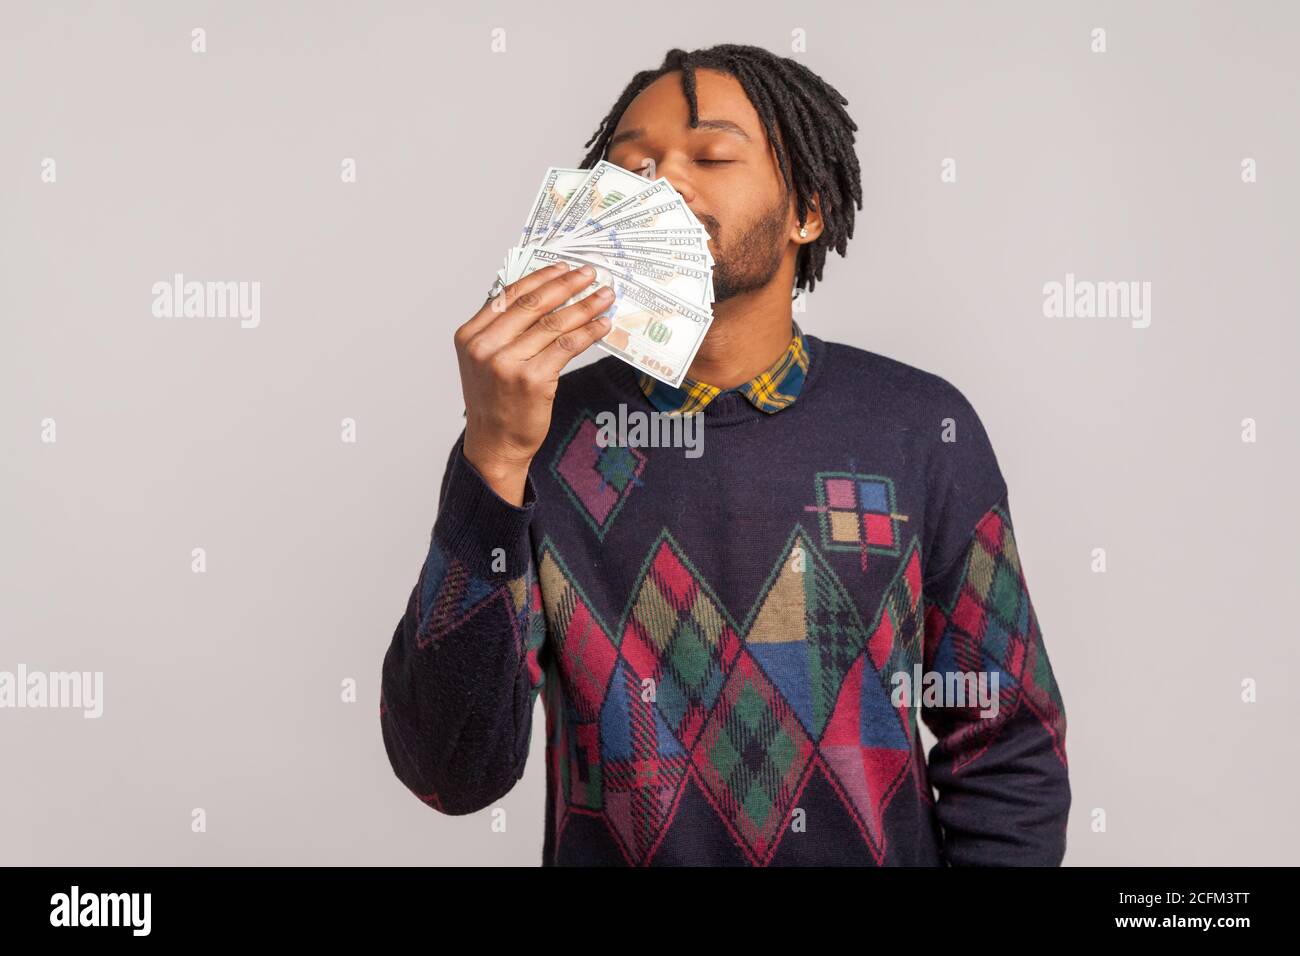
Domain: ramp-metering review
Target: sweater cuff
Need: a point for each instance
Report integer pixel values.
(474, 521)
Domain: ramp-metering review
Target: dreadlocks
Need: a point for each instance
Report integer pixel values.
(813, 124)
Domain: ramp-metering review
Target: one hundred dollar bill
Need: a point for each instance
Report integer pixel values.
(558, 187)
(651, 329)
(606, 185)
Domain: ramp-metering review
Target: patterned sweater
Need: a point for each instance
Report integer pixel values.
(733, 648)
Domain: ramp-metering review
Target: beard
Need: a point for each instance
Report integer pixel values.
(754, 258)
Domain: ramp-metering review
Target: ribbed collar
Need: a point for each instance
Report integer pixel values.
(770, 391)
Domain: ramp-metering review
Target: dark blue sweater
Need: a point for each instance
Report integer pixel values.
(733, 647)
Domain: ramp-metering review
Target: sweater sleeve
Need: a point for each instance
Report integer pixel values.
(463, 672)
(999, 763)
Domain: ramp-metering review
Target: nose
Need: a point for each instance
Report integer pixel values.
(673, 169)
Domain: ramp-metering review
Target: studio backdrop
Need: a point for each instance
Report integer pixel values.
(215, 519)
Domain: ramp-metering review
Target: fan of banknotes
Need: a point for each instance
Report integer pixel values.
(643, 242)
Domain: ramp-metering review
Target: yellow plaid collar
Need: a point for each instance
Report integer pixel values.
(768, 391)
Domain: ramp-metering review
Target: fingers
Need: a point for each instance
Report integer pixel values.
(542, 333)
(496, 305)
(569, 344)
(529, 305)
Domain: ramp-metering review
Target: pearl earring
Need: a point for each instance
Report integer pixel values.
(803, 232)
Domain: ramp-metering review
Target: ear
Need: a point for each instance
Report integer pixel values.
(812, 221)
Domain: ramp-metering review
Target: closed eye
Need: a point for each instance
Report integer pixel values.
(714, 162)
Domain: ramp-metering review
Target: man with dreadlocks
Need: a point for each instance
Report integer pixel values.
(734, 650)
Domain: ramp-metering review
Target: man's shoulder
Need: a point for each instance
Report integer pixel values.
(963, 477)
(879, 379)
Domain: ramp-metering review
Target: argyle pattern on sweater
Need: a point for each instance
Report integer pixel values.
(716, 644)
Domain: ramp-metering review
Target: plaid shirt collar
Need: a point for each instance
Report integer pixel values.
(768, 391)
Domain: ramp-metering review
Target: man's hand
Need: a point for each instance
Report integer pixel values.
(511, 354)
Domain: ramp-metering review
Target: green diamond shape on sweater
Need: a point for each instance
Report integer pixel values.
(691, 660)
(617, 465)
(754, 754)
(757, 805)
(724, 757)
(1004, 595)
(751, 708)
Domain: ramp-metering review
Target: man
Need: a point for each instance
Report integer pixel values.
(732, 648)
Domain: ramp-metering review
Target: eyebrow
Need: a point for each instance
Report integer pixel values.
(720, 125)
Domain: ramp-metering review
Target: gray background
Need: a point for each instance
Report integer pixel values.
(223, 689)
